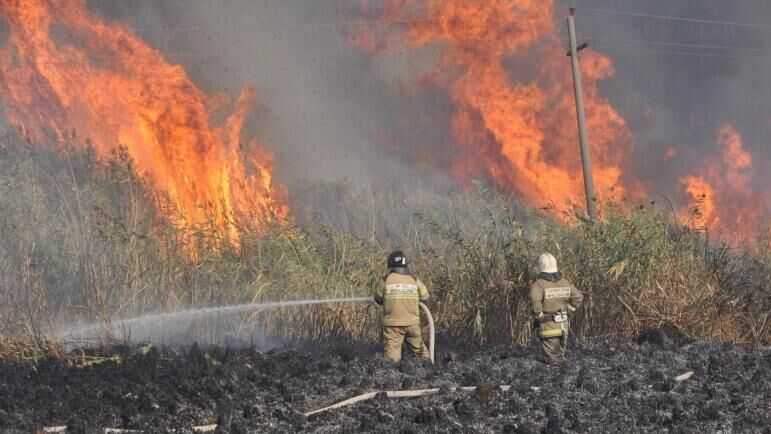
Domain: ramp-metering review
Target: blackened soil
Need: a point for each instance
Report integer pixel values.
(605, 388)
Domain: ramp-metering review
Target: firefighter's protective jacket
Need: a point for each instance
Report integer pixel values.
(399, 294)
(552, 294)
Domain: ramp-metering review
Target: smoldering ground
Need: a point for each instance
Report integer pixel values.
(606, 388)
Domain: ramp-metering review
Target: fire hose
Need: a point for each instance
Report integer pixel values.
(424, 392)
(394, 394)
(360, 398)
(430, 330)
(356, 399)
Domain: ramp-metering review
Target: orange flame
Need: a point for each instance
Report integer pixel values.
(523, 135)
(504, 65)
(727, 181)
(64, 69)
(703, 214)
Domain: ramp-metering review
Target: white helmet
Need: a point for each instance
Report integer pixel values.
(547, 264)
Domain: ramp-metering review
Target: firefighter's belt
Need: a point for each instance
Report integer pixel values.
(550, 333)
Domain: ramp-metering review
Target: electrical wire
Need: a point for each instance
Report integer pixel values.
(223, 57)
(677, 53)
(283, 25)
(203, 59)
(678, 44)
(667, 17)
(219, 59)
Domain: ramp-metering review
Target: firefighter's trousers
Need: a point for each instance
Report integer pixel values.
(394, 336)
(553, 340)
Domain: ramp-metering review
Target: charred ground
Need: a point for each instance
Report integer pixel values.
(607, 388)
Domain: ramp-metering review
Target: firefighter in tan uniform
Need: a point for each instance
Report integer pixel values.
(553, 298)
(399, 294)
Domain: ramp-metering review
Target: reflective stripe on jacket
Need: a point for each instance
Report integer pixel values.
(548, 298)
(399, 294)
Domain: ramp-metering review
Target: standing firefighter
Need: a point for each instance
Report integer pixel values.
(399, 294)
(553, 298)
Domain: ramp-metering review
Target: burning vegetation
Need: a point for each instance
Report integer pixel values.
(66, 73)
(70, 76)
(725, 196)
(118, 167)
(514, 119)
(109, 131)
(519, 131)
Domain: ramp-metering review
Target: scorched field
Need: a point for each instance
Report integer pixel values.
(606, 387)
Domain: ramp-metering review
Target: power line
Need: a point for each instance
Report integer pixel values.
(203, 59)
(677, 44)
(667, 17)
(220, 59)
(677, 53)
(287, 25)
(200, 58)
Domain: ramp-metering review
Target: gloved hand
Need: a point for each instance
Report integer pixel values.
(537, 321)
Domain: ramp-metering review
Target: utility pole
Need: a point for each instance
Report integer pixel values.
(591, 199)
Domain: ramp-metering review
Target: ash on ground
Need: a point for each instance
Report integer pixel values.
(605, 388)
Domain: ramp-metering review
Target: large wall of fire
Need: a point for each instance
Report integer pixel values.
(64, 68)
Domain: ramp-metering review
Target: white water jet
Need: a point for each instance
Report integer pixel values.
(159, 320)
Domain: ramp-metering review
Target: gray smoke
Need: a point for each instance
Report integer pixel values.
(324, 108)
(686, 97)
(329, 110)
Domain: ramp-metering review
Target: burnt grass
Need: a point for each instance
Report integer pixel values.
(606, 387)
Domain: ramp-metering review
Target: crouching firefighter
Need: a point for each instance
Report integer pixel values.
(399, 293)
(553, 299)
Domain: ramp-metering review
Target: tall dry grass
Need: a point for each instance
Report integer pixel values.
(84, 239)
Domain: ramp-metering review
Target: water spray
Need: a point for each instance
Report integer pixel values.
(91, 329)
